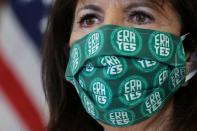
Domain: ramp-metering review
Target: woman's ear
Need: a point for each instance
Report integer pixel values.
(191, 61)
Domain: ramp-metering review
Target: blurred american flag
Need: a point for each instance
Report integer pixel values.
(22, 103)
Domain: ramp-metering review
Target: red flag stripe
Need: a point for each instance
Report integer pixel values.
(21, 102)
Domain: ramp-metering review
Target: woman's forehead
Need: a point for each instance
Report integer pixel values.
(121, 1)
(156, 3)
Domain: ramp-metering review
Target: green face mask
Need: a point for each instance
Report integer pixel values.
(125, 75)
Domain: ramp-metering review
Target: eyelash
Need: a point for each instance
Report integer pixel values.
(131, 17)
(86, 17)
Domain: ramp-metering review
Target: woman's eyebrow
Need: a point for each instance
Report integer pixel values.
(149, 3)
(91, 7)
(153, 4)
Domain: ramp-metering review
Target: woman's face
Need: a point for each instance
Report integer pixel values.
(91, 14)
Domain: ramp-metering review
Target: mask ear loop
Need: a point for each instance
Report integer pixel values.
(193, 72)
(183, 37)
(190, 75)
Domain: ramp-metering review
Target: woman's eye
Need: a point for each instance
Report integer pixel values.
(139, 18)
(88, 20)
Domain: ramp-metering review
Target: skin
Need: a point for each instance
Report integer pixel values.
(91, 14)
